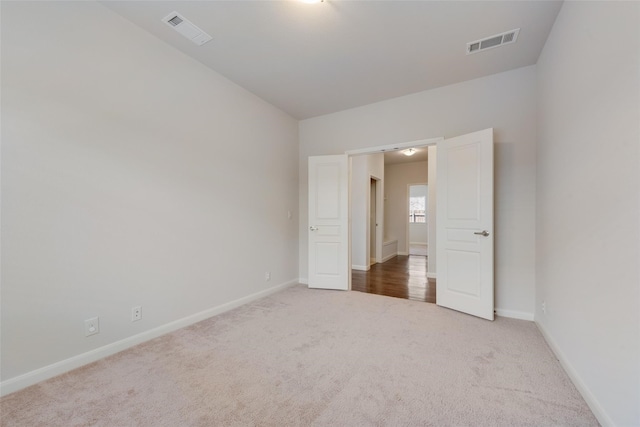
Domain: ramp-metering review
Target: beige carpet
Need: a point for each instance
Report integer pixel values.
(320, 358)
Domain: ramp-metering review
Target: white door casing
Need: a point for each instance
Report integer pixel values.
(464, 229)
(329, 222)
(373, 221)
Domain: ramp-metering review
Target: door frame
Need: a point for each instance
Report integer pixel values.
(379, 207)
(395, 147)
(377, 150)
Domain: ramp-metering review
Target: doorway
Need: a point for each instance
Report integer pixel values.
(464, 231)
(401, 270)
(417, 219)
(403, 276)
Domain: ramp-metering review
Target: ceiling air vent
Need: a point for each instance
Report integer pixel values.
(493, 41)
(186, 28)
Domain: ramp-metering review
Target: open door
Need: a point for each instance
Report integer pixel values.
(464, 229)
(328, 222)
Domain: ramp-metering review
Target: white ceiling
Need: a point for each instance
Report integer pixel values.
(314, 59)
(395, 157)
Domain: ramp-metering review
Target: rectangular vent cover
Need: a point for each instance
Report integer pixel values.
(186, 28)
(493, 41)
(175, 21)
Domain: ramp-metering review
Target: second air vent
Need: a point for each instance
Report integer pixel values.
(493, 41)
(186, 28)
(175, 21)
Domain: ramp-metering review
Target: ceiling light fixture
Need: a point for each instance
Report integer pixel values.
(312, 1)
(409, 151)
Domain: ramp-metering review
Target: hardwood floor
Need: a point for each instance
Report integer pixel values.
(400, 277)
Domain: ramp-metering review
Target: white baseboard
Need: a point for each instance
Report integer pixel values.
(591, 400)
(303, 281)
(418, 244)
(514, 314)
(360, 267)
(388, 257)
(30, 378)
(431, 275)
(403, 253)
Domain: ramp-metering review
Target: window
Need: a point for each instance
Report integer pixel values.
(417, 209)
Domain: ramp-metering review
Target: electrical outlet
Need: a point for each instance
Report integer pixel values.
(267, 276)
(544, 307)
(136, 313)
(92, 326)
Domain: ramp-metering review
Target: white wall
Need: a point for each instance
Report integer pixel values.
(363, 167)
(359, 212)
(399, 176)
(506, 102)
(588, 235)
(131, 175)
(418, 233)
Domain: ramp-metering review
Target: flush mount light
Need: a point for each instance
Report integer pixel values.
(312, 1)
(409, 151)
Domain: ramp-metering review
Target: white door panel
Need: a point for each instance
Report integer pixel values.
(328, 222)
(464, 232)
(462, 166)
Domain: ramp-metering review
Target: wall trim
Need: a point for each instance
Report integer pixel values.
(360, 267)
(303, 280)
(431, 275)
(388, 257)
(41, 374)
(514, 314)
(403, 253)
(592, 401)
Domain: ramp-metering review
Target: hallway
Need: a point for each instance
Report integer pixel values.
(400, 277)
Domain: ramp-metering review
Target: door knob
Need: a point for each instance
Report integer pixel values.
(313, 228)
(484, 233)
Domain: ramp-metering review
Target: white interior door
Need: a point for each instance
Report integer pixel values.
(464, 229)
(328, 222)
